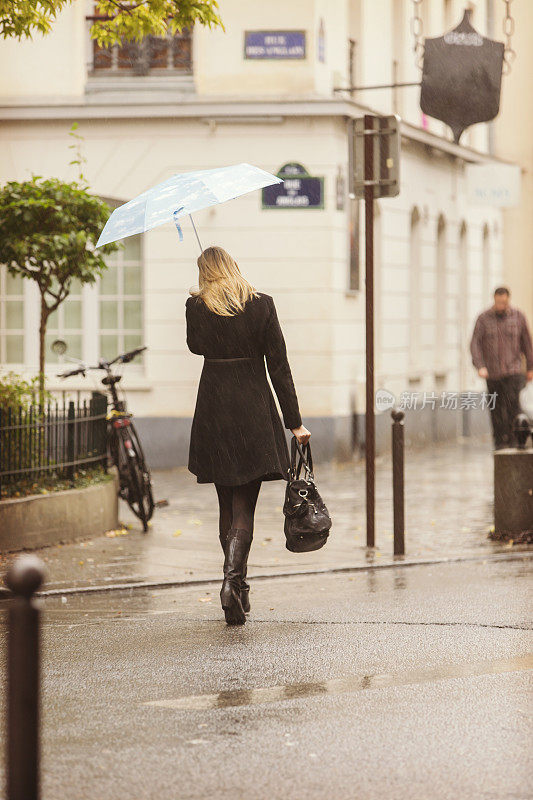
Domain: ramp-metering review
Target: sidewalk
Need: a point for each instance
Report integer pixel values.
(448, 514)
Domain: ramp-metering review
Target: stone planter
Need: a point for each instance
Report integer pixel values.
(40, 520)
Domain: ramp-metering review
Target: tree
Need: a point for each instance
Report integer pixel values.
(118, 20)
(48, 232)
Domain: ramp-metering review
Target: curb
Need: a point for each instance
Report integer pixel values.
(113, 587)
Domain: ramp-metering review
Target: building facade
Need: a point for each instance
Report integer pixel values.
(272, 91)
(513, 133)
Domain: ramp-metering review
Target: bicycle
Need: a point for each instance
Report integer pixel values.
(124, 446)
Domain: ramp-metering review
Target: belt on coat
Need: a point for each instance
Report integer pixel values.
(240, 358)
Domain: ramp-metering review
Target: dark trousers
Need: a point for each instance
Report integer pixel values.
(506, 408)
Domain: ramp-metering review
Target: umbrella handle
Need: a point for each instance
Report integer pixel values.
(196, 232)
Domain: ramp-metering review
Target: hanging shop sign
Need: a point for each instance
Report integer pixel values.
(274, 44)
(298, 190)
(461, 77)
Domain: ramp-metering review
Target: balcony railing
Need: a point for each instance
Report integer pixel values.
(154, 55)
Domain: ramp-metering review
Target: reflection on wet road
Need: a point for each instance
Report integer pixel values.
(354, 683)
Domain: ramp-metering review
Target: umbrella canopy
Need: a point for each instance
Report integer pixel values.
(180, 195)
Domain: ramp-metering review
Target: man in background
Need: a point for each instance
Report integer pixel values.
(500, 337)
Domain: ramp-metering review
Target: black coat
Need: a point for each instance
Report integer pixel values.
(236, 432)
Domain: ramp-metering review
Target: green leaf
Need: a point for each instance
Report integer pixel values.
(126, 22)
(46, 227)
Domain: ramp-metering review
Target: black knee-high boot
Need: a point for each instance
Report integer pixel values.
(245, 586)
(238, 541)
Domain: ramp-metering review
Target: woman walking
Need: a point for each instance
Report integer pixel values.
(237, 439)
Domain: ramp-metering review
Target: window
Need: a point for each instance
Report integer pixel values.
(66, 323)
(463, 287)
(486, 266)
(156, 55)
(414, 293)
(354, 263)
(11, 318)
(120, 301)
(95, 320)
(378, 293)
(440, 295)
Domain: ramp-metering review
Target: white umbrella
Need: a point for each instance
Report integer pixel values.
(180, 195)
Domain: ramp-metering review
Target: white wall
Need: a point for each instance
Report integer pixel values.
(299, 256)
(220, 68)
(52, 66)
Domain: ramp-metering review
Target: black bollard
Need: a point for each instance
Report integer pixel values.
(397, 481)
(24, 577)
(522, 430)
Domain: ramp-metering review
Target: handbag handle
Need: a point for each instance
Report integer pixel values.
(308, 463)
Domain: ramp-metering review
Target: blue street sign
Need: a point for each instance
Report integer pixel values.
(298, 190)
(274, 44)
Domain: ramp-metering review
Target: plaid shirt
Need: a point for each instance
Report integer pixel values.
(497, 343)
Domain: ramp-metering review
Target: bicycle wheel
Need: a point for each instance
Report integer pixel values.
(147, 478)
(112, 447)
(135, 484)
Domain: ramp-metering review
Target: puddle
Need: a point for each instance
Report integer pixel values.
(353, 683)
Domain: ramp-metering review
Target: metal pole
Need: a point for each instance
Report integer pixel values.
(196, 232)
(370, 446)
(398, 481)
(3, 449)
(24, 577)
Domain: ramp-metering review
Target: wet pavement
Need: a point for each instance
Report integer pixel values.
(448, 514)
(402, 684)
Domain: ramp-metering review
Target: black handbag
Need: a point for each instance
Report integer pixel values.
(307, 520)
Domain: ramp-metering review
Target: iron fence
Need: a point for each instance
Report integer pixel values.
(61, 439)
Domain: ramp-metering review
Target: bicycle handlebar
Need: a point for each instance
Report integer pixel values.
(72, 372)
(125, 358)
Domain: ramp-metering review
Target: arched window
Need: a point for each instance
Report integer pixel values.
(463, 262)
(378, 292)
(440, 296)
(486, 266)
(354, 232)
(463, 288)
(414, 290)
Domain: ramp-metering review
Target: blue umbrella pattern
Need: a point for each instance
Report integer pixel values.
(180, 195)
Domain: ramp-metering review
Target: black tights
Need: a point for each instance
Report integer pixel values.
(237, 506)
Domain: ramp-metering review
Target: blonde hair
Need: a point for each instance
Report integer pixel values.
(221, 285)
